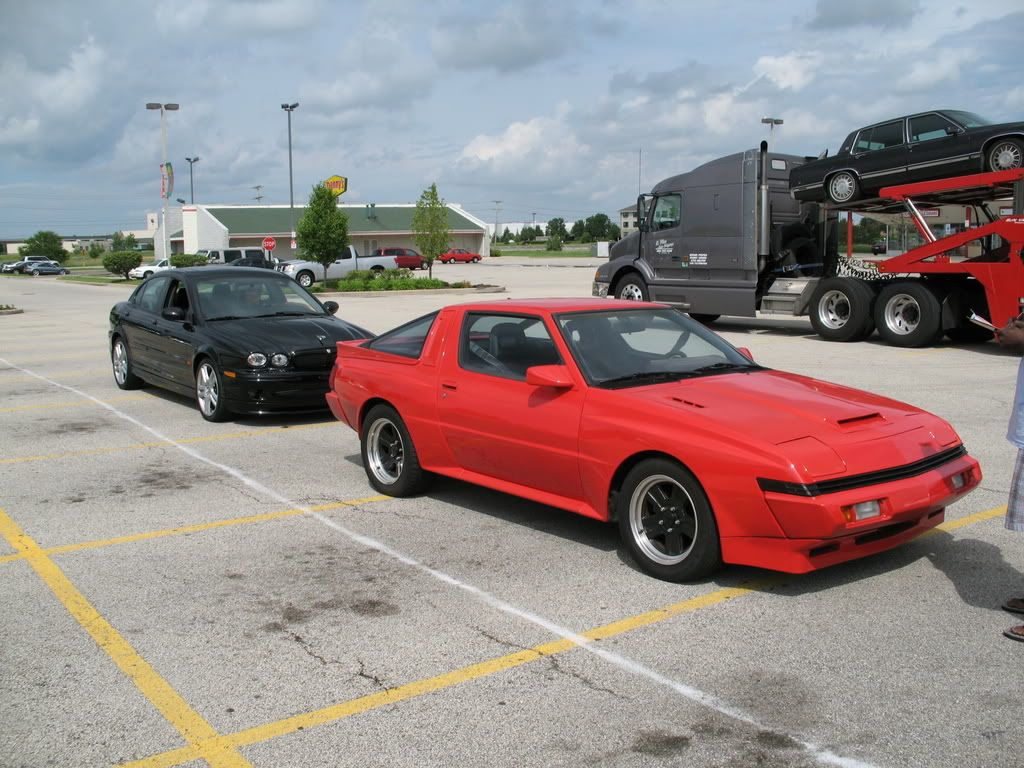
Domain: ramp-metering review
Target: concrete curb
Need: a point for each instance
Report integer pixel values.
(11, 311)
(420, 292)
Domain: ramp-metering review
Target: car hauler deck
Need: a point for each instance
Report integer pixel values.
(728, 239)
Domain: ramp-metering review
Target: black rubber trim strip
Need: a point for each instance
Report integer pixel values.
(868, 478)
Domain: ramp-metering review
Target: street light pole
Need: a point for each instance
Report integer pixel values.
(191, 181)
(771, 122)
(165, 192)
(289, 108)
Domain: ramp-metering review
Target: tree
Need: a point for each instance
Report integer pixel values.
(322, 231)
(506, 236)
(556, 228)
(577, 229)
(597, 226)
(121, 262)
(122, 242)
(95, 250)
(430, 226)
(45, 243)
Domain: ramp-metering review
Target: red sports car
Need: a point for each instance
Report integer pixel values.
(459, 254)
(634, 412)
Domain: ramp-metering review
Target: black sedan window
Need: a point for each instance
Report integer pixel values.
(880, 137)
(151, 296)
(928, 127)
(222, 298)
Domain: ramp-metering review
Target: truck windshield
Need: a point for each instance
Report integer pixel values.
(633, 347)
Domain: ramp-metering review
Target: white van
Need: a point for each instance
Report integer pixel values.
(227, 255)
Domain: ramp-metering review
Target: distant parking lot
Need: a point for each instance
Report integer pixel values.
(177, 592)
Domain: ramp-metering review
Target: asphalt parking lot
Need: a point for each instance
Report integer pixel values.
(176, 592)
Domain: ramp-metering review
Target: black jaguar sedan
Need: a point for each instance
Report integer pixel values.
(240, 340)
(921, 147)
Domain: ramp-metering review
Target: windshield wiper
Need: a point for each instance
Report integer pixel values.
(725, 367)
(645, 377)
(224, 317)
(288, 314)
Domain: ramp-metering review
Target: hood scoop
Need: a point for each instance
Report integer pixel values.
(684, 401)
(861, 420)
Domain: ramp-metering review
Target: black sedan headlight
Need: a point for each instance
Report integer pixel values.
(256, 359)
(279, 360)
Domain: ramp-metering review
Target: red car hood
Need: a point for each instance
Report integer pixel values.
(820, 427)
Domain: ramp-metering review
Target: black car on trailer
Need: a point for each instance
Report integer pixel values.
(239, 340)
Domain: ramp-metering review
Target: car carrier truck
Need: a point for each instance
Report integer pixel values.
(728, 238)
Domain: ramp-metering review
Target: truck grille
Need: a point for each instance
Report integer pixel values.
(318, 359)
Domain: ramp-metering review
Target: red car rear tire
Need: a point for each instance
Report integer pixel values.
(389, 456)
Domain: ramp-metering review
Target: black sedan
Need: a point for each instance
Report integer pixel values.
(921, 147)
(240, 340)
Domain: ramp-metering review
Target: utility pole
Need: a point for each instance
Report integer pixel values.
(258, 197)
(497, 217)
(191, 179)
(166, 179)
(639, 171)
(289, 108)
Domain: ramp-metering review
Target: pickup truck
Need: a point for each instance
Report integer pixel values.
(305, 273)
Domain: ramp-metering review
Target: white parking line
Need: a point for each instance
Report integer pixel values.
(623, 663)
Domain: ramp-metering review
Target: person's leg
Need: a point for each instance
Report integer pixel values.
(1015, 522)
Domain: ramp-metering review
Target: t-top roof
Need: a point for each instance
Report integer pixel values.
(267, 219)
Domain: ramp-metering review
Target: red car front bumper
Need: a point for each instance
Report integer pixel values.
(819, 533)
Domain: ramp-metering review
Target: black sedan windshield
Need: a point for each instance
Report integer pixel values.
(232, 297)
(968, 119)
(646, 346)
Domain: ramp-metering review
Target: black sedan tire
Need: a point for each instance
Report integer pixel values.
(632, 288)
(1005, 155)
(210, 391)
(840, 309)
(389, 456)
(121, 361)
(704, 319)
(842, 187)
(666, 522)
(908, 314)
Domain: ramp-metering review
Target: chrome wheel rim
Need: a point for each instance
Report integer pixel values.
(834, 310)
(841, 187)
(385, 451)
(902, 314)
(120, 360)
(631, 292)
(1006, 157)
(207, 391)
(663, 520)
(305, 281)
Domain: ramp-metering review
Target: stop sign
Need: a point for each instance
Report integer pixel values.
(269, 243)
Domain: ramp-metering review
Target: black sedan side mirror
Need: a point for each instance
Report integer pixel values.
(176, 314)
(331, 307)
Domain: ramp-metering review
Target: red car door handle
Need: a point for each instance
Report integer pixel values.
(449, 386)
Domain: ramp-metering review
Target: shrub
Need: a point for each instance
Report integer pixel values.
(95, 250)
(495, 251)
(554, 243)
(180, 260)
(121, 262)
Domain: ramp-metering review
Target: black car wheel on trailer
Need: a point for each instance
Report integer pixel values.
(908, 314)
(840, 309)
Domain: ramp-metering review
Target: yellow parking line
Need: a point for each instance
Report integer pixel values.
(203, 740)
(960, 522)
(71, 403)
(345, 709)
(164, 443)
(418, 688)
(185, 529)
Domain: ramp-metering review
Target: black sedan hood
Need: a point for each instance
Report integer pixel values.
(282, 334)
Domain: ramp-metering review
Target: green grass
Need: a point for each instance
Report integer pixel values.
(96, 279)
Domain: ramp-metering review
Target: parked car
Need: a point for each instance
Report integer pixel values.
(920, 147)
(36, 268)
(879, 248)
(228, 255)
(405, 258)
(145, 271)
(24, 265)
(458, 254)
(12, 266)
(305, 273)
(257, 261)
(237, 340)
(634, 412)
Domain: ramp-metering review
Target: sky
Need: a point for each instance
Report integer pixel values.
(554, 108)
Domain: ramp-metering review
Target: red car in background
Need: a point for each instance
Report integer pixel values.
(634, 412)
(405, 258)
(459, 254)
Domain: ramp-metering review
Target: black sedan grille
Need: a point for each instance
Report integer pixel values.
(868, 478)
(318, 359)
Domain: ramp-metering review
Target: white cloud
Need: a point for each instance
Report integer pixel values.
(794, 71)
(542, 144)
(935, 70)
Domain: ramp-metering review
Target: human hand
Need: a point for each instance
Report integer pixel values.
(1011, 335)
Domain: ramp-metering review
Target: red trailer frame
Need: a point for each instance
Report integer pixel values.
(999, 271)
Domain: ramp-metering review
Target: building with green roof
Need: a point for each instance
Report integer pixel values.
(370, 227)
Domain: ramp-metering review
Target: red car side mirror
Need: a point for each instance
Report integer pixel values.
(746, 353)
(556, 376)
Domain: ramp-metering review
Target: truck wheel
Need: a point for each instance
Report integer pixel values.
(304, 278)
(908, 314)
(841, 309)
(1006, 155)
(843, 187)
(632, 288)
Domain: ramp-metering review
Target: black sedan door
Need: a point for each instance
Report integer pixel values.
(880, 155)
(174, 338)
(937, 149)
(139, 323)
